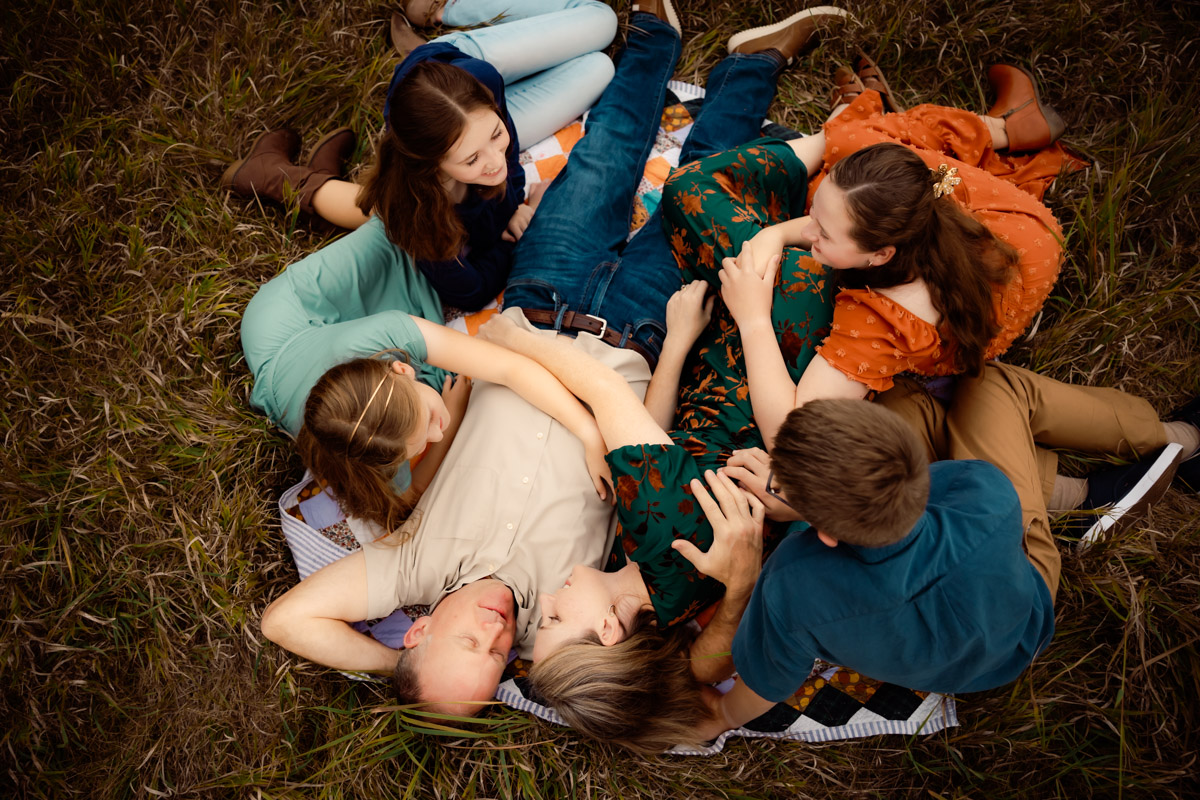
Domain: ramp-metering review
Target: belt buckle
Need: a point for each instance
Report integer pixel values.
(603, 325)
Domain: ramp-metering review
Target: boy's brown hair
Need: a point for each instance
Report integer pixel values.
(853, 469)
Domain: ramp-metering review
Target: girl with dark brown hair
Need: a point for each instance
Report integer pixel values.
(447, 182)
(926, 219)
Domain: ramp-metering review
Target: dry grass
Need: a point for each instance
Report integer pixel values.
(139, 539)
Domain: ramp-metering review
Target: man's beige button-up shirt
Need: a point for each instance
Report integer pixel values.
(513, 500)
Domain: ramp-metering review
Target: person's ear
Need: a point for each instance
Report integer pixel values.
(883, 255)
(611, 632)
(826, 539)
(417, 633)
(400, 368)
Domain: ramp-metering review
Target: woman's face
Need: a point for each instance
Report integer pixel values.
(480, 156)
(829, 231)
(432, 416)
(578, 608)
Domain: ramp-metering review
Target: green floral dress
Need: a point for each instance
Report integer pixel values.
(712, 207)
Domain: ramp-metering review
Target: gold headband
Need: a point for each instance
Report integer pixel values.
(367, 407)
(944, 180)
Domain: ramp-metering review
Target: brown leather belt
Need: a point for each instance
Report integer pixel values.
(575, 321)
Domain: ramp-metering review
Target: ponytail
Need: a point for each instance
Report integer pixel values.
(890, 198)
(357, 422)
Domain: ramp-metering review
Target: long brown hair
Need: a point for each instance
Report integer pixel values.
(427, 115)
(357, 421)
(889, 194)
(638, 693)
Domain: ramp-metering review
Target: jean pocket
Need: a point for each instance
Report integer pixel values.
(532, 293)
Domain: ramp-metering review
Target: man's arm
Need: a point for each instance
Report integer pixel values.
(312, 619)
(735, 559)
(735, 708)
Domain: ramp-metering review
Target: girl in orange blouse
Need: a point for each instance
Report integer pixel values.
(941, 249)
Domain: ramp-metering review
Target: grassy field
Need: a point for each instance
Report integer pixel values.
(140, 543)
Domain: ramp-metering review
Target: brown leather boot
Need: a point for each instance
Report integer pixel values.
(331, 152)
(789, 38)
(661, 9)
(1030, 124)
(268, 172)
(404, 38)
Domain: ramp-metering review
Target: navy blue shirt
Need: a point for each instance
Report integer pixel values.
(479, 273)
(955, 606)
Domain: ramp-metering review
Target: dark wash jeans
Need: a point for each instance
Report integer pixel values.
(574, 255)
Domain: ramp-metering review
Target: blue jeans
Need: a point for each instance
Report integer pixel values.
(547, 52)
(574, 256)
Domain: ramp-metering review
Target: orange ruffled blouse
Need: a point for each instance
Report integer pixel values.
(873, 338)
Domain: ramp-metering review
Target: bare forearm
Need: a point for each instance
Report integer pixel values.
(741, 705)
(332, 643)
(772, 391)
(712, 660)
(662, 395)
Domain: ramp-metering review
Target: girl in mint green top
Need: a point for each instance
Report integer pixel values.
(310, 335)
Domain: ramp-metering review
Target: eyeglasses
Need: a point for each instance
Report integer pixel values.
(773, 492)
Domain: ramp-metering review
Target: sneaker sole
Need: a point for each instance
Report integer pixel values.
(1145, 492)
(672, 17)
(738, 39)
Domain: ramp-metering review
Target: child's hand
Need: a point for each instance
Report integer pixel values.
(750, 468)
(748, 294)
(518, 223)
(455, 394)
(498, 329)
(688, 313)
(536, 192)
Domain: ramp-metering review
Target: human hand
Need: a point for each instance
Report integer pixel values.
(750, 468)
(518, 223)
(455, 394)
(765, 245)
(735, 557)
(688, 313)
(499, 330)
(536, 192)
(595, 451)
(746, 293)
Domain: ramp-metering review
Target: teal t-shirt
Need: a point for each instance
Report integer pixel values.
(353, 298)
(955, 606)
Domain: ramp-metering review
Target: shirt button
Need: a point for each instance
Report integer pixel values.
(525, 479)
(509, 526)
(540, 434)
(491, 567)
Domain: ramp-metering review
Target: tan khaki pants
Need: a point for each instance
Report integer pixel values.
(1005, 414)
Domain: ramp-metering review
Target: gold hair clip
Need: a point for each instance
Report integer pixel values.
(944, 180)
(370, 400)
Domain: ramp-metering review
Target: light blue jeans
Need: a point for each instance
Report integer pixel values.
(547, 51)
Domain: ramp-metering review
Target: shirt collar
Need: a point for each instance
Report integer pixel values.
(873, 555)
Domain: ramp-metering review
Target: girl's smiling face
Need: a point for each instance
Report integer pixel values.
(480, 155)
